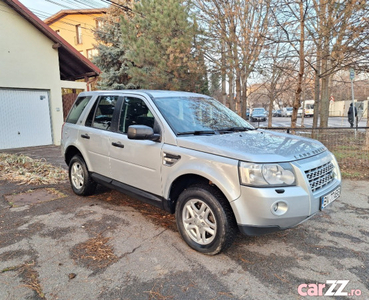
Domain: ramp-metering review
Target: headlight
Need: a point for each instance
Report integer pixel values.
(266, 174)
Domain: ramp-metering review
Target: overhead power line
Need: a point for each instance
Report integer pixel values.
(59, 4)
(121, 6)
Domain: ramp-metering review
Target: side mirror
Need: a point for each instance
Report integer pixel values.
(142, 132)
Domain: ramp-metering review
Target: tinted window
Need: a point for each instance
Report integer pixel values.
(134, 112)
(104, 112)
(77, 109)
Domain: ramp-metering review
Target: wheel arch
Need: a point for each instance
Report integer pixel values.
(70, 152)
(185, 181)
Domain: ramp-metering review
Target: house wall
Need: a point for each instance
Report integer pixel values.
(67, 30)
(28, 61)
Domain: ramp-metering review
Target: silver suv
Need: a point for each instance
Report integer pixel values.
(190, 155)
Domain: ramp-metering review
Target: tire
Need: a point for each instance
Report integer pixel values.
(205, 219)
(79, 177)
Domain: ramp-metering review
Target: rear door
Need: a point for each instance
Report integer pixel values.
(95, 135)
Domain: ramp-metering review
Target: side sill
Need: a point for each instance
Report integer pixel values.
(141, 195)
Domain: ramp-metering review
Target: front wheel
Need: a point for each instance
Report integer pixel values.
(205, 219)
(79, 177)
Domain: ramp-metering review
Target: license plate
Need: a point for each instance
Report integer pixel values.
(328, 199)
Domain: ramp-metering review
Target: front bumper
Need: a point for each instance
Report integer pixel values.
(259, 119)
(255, 214)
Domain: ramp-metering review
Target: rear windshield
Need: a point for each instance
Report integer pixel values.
(77, 109)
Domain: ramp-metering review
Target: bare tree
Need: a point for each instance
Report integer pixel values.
(236, 30)
(338, 30)
(329, 36)
(275, 68)
(290, 17)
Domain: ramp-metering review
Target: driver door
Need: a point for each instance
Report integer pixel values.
(136, 163)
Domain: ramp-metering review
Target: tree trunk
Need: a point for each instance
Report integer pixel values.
(232, 105)
(238, 93)
(270, 116)
(223, 72)
(244, 97)
(324, 109)
(316, 98)
(326, 27)
(296, 102)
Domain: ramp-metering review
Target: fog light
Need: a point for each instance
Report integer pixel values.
(279, 208)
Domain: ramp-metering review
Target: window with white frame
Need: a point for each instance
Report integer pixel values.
(91, 53)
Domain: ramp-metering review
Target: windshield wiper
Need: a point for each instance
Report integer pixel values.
(197, 132)
(235, 129)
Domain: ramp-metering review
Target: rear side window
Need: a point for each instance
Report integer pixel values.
(104, 112)
(77, 109)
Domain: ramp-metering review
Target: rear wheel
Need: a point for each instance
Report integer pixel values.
(79, 177)
(205, 219)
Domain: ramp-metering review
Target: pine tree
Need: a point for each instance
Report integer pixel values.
(160, 41)
(110, 59)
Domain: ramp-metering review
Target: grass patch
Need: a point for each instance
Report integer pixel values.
(349, 154)
(351, 175)
(351, 151)
(23, 169)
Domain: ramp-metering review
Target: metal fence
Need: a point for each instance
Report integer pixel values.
(349, 145)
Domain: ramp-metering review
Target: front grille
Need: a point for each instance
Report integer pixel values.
(320, 176)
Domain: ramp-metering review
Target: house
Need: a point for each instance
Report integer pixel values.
(35, 65)
(77, 27)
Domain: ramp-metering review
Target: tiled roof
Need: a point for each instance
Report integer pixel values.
(66, 12)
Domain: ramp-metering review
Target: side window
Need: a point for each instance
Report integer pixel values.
(134, 112)
(104, 112)
(90, 116)
(77, 109)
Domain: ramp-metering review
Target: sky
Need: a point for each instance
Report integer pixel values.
(46, 8)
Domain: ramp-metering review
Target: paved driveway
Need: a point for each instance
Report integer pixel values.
(55, 245)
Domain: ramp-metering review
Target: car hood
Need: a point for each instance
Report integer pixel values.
(254, 145)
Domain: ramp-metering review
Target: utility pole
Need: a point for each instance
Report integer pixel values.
(352, 76)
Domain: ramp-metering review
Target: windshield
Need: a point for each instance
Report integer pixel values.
(258, 111)
(197, 115)
(289, 108)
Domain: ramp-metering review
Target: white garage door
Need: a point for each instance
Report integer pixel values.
(24, 118)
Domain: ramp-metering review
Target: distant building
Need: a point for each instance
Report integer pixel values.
(340, 108)
(77, 27)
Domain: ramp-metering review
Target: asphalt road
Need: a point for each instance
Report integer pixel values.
(110, 246)
(307, 122)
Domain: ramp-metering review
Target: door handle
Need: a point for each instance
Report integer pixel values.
(85, 136)
(118, 144)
